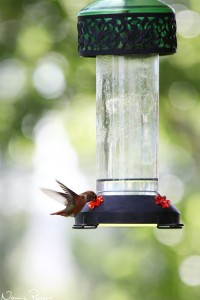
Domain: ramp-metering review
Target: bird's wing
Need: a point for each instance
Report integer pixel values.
(63, 198)
(66, 189)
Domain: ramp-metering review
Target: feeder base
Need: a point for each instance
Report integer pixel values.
(128, 211)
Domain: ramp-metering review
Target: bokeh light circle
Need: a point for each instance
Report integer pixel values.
(171, 186)
(183, 95)
(189, 270)
(49, 79)
(169, 237)
(12, 79)
(188, 23)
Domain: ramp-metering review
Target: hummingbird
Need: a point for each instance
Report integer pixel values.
(73, 202)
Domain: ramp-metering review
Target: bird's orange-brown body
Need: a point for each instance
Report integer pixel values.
(74, 203)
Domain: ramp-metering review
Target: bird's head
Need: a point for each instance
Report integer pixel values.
(89, 196)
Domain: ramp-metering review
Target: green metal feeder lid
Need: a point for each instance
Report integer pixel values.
(121, 27)
(125, 6)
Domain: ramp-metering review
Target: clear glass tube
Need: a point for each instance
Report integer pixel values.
(127, 123)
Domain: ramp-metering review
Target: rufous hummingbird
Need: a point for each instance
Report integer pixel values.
(73, 202)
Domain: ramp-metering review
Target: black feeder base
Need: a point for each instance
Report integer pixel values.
(128, 210)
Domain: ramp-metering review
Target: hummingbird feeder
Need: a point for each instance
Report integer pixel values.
(127, 37)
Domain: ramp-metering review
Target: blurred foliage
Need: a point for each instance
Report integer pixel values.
(38, 39)
(29, 32)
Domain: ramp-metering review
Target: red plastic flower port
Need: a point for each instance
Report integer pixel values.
(97, 202)
(161, 200)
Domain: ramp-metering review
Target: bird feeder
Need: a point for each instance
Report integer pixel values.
(127, 37)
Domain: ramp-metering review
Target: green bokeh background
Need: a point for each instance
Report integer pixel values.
(43, 253)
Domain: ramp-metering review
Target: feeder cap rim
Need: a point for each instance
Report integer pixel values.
(103, 7)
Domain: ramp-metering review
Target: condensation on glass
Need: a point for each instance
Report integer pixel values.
(127, 124)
